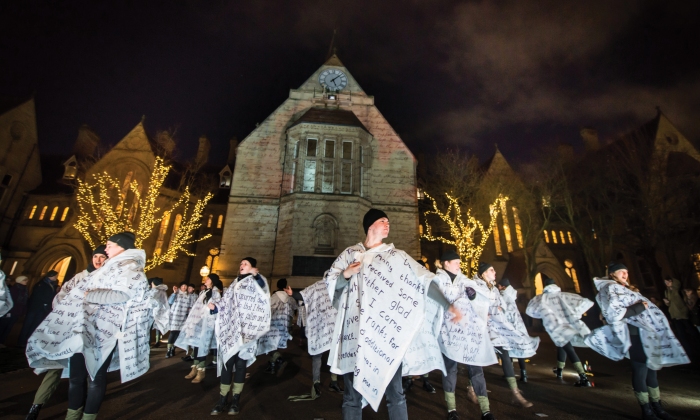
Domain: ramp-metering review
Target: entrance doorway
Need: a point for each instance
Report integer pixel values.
(65, 267)
(538, 284)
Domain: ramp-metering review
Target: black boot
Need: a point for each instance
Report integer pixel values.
(452, 415)
(234, 405)
(583, 381)
(648, 413)
(187, 358)
(407, 384)
(317, 388)
(487, 416)
(660, 412)
(34, 412)
(428, 386)
(156, 345)
(523, 376)
(557, 371)
(270, 368)
(170, 353)
(333, 386)
(220, 406)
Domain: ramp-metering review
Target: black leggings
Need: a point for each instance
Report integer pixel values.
(227, 374)
(642, 376)
(567, 350)
(203, 358)
(507, 363)
(173, 337)
(96, 389)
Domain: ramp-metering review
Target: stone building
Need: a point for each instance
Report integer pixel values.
(308, 173)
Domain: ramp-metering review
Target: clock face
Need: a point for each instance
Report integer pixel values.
(333, 79)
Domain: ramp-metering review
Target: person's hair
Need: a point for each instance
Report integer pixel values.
(183, 283)
(215, 283)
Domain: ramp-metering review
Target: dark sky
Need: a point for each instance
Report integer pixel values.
(444, 73)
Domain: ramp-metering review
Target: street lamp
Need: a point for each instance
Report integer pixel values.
(204, 271)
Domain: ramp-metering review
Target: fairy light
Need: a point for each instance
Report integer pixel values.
(468, 237)
(100, 216)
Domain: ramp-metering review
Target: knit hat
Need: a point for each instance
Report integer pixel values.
(253, 262)
(216, 282)
(546, 281)
(124, 239)
(372, 216)
(51, 273)
(100, 250)
(156, 280)
(614, 266)
(483, 267)
(282, 284)
(504, 282)
(449, 255)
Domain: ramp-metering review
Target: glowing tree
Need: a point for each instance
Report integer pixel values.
(470, 236)
(107, 208)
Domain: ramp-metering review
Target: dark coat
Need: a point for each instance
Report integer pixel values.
(20, 296)
(42, 296)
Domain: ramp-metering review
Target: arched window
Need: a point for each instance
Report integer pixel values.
(497, 238)
(554, 237)
(176, 228)
(563, 238)
(220, 221)
(161, 233)
(518, 230)
(209, 220)
(546, 236)
(571, 271)
(538, 284)
(506, 226)
(571, 238)
(65, 214)
(53, 213)
(43, 212)
(31, 213)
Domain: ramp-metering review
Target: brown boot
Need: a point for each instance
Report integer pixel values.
(200, 376)
(192, 373)
(518, 398)
(472, 395)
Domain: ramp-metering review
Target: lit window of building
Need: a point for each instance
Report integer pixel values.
(497, 239)
(209, 220)
(43, 212)
(420, 229)
(506, 226)
(220, 221)
(546, 236)
(554, 237)
(161, 233)
(563, 238)
(14, 266)
(571, 237)
(65, 214)
(53, 213)
(176, 228)
(31, 213)
(538, 284)
(571, 271)
(518, 230)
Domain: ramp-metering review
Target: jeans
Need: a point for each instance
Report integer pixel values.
(227, 373)
(475, 373)
(96, 389)
(395, 399)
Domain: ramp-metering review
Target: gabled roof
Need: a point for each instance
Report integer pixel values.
(9, 103)
(330, 117)
(334, 61)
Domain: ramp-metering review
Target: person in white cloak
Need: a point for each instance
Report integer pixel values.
(467, 341)
(243, 316)
(199, 329)
(505, 336)
(282, 307)
(180, 305)
(5, 297)
(510, 296)
(160, 308)
(561, 314)
(380, 311)
(53, 376)
(638, 330)
(102, 324)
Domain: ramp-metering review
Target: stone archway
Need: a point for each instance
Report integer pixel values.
(65, 259)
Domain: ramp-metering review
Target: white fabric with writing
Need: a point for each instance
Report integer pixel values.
(160, 308)
(243, 317)
(424, 354)
(200, 327)
(76, 326)
(179, 310)
(67, 286)
(320, 317)
(5, 297)
(381, 310)
(561, 314)
(661, 347)
(282, 307)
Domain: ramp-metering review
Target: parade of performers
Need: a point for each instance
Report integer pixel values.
(378, 316)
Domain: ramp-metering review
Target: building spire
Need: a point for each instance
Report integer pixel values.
(331, 48)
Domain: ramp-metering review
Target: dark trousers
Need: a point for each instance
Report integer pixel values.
(227, 373)
(567, 350)
(506, 363)
(96, 388)
(475, 373)
(642, 376)
(172, 338)
(395, 399)
(6, 324)
(31, 322)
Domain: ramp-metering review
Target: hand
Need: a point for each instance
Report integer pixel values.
(457, 315)
(352, 269)
(646, 304)
(254, 271)
(174, 289)
(288, 290)
(667, 302)
(211, 306)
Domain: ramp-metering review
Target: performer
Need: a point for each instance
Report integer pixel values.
(380, 310)
(53, 376)
(243, 317)
(636, 329)
(561, 314)
(199, 329)
(282, 309)
(160, 308)
(180, 305)
(510, 295)
(5, 297)
(506, 337)
(107, 310)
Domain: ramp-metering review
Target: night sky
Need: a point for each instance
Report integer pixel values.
(443, 73)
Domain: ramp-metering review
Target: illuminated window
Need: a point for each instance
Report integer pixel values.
(161, 233)
(31, 213)
(554, 237)
(43, 212)
(518, 230)
(497, 239)
(14, 266)
(571, 271)
(571, 238)
(538, 284)
(176, 228)
(546, 236)
(53, 213)
(420, 229)
(563, 238)
(220, 221)
(506, 226)
(209, 220)
(65, 214)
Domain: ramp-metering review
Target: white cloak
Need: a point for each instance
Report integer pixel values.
(561, 314)
(243, 317)
(67, 286)
(178, 310)
(319, 319)
(381, 310)
(282, 307)
(424, 355)
(613, 340)
(160, 308)
(76, 326)
(5, 297)
(504, 333)
(468, 340)
(199, 329)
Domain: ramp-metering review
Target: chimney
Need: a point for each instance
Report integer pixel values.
(86, 143)
(590, 139)
(232, 151)
(202, 151)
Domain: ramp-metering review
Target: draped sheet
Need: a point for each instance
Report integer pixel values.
(561, 314)
(468, 340)
(613, 340)
(243, 317)
(76, 326)
(199, 328)
(380, 311)
(320, 317)
(178, 310)
(67, 286)
(424, 354)
(5, 297)
(160, 308)
(282, 307)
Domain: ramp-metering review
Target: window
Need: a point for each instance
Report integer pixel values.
(554, 237)
(571, 271)
(311, 147)
(225, 180)
(538, 284)
(70, 171)
(309, 175)
(546, 201)
(209, 220)
(220, 221)
(176, 228)
(14, 266)
(327, 183)
(65, 214)
(563, 238)
(43, 212)
(330, 149)
(53, 214)
(506, 226)
(518, 230)
(161, 233)
(346, 169)
(347, 150)
(546, 236)
(497, 239)
(31, 213)
(420, 230)
(571, 238)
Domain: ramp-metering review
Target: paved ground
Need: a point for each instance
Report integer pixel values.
(163, 393)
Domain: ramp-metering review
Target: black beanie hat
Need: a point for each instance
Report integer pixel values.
(281, 284)
(546, 281)
(124, 239)
(51, 273)
(100, 250)
(614, 266)
(504, 282)
(449, 255)
(156, 280)
(253, 262)
(372, 216)
(483, 267)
